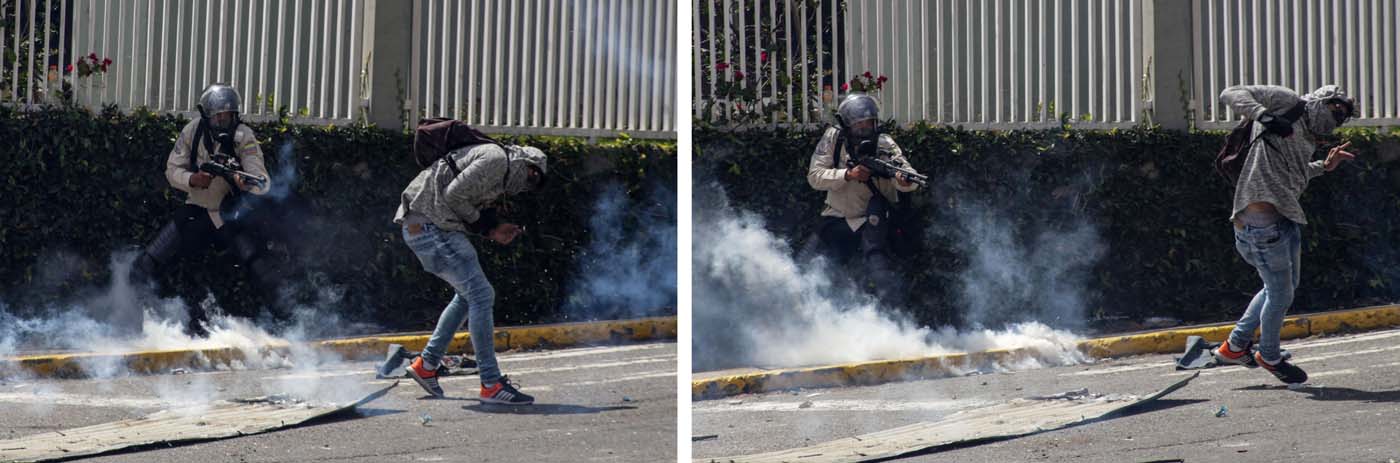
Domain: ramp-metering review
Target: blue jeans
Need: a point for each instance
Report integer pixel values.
(1275, 251)
(451, 256)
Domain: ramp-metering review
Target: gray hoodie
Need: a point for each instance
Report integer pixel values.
(1279, 176)
(461, 203)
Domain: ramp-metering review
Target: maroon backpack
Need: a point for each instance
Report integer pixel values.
(1230, 160)
(435, 137)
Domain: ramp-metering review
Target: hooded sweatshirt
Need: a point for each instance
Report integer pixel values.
(1277, 168)
(460, 203)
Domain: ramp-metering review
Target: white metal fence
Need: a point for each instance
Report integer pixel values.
(548, 66)
(301, 54)
(1027, 63)
(993, 63)
(1300, 44)
(521, 66)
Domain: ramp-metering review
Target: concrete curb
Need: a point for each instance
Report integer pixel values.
(365, 348)
(1151, 342)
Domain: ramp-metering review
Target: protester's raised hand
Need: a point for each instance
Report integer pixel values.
(1335, 156)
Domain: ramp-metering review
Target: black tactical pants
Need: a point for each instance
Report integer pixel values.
(189, 233)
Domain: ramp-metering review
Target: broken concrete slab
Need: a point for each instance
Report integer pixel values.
(220, 420)
(1013, 419)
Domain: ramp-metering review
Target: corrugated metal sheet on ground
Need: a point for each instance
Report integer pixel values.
(1016, 418)
(222, 420)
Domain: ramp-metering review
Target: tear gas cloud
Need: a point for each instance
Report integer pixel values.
(628, 269)
(755, 305)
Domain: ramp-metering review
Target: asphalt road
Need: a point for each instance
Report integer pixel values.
(1350, 412)
(614, 403)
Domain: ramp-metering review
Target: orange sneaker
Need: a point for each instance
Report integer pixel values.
(425, 377)
(1226, 356)
(504, 393)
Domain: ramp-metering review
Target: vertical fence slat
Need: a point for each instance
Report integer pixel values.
(634, 49)
(249, 49)
(14, 79)
(997, 32)
(496, 98)
(29, 67)
(63, 48)
(552, 46)
(472, 78)
(416, 57)
(579, 38)
(583, 106)
(48, 45)
(325, 68)
(339, 31)
(668, 110)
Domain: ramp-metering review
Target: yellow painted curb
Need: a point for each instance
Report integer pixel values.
(365, 348)
(1153, 342)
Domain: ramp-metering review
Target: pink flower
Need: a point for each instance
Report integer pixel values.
(92, 56)
(738, 74)
(67, 69)
(882, 79)
(106, 61)
(867, 75)
(845, 86)
(721, 66)
(763, 56)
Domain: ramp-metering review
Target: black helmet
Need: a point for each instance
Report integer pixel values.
(855, 109)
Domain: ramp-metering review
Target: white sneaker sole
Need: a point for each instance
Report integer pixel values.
(424, 384)
(503, 402)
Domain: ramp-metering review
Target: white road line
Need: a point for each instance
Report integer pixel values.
(586, 365)
(841, 405)
(1348, 371)
(1120, 369)
(637, 377)
(84, 400)
(583, 351)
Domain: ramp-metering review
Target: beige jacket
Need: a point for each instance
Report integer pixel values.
(849, 199)
(178, 169)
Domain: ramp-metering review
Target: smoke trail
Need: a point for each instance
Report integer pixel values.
(1026, 272)
(755, 305)
(629, 267)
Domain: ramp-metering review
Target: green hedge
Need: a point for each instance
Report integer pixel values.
(78, 186)
(1152, 195)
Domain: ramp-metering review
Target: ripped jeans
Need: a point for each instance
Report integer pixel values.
(451, 256)
(1276, 252)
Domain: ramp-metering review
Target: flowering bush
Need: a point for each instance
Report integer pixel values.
(89, 65)
(865, 83)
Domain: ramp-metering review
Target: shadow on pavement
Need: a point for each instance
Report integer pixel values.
(543, 409)
(1328, 393)
(1155, 405)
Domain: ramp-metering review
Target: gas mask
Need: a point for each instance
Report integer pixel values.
(218, 107)
(859, 118)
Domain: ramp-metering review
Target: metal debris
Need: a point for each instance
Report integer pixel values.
(223, 419)
(1017, 418)
(716, 436)
(626, 399)
(179, 371)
